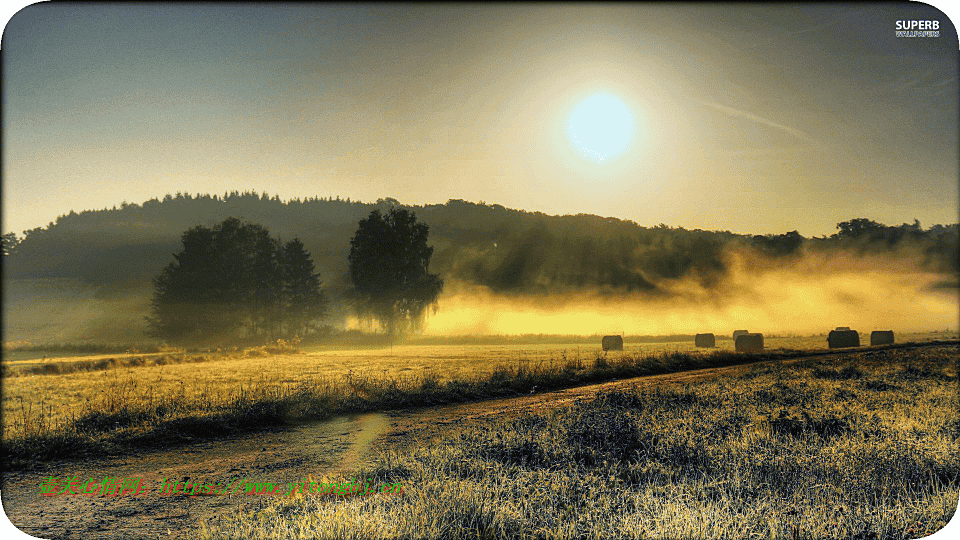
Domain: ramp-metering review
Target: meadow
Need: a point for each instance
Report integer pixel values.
(863, 446)
(70, 407)
(44, 390)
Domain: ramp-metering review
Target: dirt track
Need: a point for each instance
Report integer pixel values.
(336, 447)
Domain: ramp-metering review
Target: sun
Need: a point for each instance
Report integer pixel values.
(601, 127)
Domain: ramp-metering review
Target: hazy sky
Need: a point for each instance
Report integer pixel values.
(753, 119)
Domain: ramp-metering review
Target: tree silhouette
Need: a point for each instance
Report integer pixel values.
(860, 228)
(233, 281)
(10, 243)
(185, 300)
(475, 243)
(266, 288)
(779, 245)
(305, 303)
(389, 265)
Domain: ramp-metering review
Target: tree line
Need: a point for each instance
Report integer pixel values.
(235, 281)
(510, 251)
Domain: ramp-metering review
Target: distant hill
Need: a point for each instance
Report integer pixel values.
(510, 251)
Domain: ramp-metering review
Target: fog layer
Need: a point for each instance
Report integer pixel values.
(807, 295)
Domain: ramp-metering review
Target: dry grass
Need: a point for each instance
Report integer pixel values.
(112, 410)
(863, 449)
(117, 408)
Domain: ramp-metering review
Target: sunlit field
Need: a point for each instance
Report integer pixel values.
(448, 359)
(453, 360)
(136, 397)
(36, 385)
(864, 447)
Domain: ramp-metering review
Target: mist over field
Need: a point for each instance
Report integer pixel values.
(802, 295)
(64, 310)
(88, 276)
(809, 295)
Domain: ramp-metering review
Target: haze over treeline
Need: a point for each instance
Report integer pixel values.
(501, 258)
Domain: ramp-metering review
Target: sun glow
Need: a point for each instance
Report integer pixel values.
(601, 127)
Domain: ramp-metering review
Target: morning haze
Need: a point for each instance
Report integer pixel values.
(540, 271)
(754, 120)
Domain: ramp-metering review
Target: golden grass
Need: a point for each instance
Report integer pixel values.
(53, 399)
(865, 449)
(202, 377)
(60, 415)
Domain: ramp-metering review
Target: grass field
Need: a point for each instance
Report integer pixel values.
(78, 406)
(64, 406)
(866, 448)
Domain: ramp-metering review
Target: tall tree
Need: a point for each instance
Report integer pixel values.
(266, 302)
(185, 300)
(233, 245)
(389, 265)
(304, 303)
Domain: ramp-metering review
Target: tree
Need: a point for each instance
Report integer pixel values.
(232, 281)
(185, 299)
(266, 288)
(860, 228)
(389, 265)
(304, 303)
(234, 284)
(779, 245)
(10, 243)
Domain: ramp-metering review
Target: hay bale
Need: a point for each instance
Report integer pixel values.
(839, 339)
(705, 340)
(749, 343)
(881, 337)
(738, 333)
(612, 343)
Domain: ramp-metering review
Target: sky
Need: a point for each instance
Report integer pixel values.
(753, 119)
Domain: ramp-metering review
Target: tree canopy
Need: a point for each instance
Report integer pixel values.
(10, 243)
(232, 281)
(389, 266)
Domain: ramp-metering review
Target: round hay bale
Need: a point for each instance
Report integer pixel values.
(612, 343)
(705, 340)
(749, 343)
(881, 337)
(838, 339)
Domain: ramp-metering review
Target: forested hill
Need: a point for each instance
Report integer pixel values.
(506, 250)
